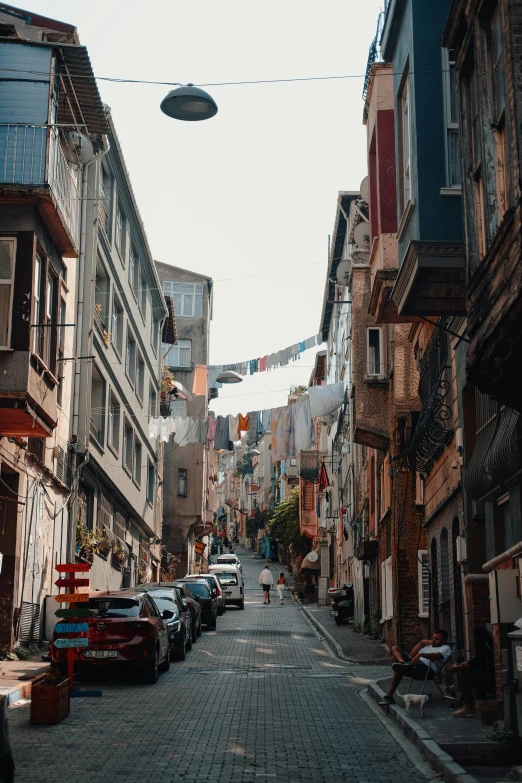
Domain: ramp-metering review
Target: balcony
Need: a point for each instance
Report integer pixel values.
(431, 280)
(35, 170)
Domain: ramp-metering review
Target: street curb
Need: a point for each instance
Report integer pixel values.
(336, 647)
(12, 695)
(441, 761)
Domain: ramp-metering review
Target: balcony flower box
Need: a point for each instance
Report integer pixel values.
(50, 701)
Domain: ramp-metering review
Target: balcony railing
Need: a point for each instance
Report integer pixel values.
(34, 155)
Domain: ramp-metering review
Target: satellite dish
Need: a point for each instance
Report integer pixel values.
(78, 148)
(365, 190)
(361, 236)
(343, 272)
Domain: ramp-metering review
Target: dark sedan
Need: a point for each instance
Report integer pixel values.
(185, 595)
(176, 613)
(208, 602)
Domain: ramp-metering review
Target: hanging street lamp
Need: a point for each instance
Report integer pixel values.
(189, 103)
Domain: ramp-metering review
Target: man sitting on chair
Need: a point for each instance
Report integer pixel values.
(424, 656)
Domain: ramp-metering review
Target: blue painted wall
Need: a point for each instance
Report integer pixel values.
(24, 103)
(415, 33)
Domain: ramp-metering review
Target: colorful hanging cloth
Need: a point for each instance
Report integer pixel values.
(324, 481)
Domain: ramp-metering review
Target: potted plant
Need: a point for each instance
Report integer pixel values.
(50, 698)
(86, 542)
(119, 556)
(103, 543)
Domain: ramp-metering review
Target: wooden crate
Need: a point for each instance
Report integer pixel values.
(49, 703)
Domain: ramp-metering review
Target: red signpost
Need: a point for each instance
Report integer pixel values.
(72, 598)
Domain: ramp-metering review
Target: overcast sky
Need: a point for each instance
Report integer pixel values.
(249, 196)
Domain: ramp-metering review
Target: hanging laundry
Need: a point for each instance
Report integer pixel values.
(154, 427)
(262, 364)
(199, 385)
(310, 343)
(233, 424)
(281, 430)
(325, 399)
(252, 428)
(242, 424)
(200, 431)
(211, 430)
(260, 426)
(183, 429)
(252, 365)
(319, 339)
(266, 417)
(165, 430)
(324, 481)
(303, 427)
(243, 368)
(222, 438)
(302, 348)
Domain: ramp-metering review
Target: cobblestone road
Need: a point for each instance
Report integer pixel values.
(260, 699)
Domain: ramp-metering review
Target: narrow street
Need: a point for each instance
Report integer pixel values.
(261, 698)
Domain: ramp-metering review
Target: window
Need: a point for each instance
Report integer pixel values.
(293, 462)
(130, 358)
(61, 349)
(140, 385)
(101, 295)
(114, 423)
(499, 110)
(104, 201)
(119, 233)
(137, 461)
(187, 298)
(453, 178)
(38, 332)
(50, 332)
(153, 401)
(475, 158)
(405, 192)
(179, 355)
(386, 589)
(143, 296)
(154, 333)
(424, 583)
(128, 446)
(134, 270)
(117, 325)
(182, 483)
(178, 408)
(97, 406)
(151, 482)
(7, 267)
(375, 364)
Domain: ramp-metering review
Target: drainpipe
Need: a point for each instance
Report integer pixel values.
(465, 606)
(80, 285)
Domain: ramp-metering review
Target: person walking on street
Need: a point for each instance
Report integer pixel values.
(280, 585)
(266, 580)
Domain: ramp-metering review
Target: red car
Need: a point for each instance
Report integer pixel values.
(125, 629)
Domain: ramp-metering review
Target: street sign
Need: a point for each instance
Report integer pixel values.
(80, 642)
(73, 598)
(71, 628)
(71, 568)
(71, 582)
(79, 611)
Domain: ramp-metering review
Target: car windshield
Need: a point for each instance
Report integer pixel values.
(200, 588)
(227, 559)
(164, 601)
(227, 578)
(113, 607)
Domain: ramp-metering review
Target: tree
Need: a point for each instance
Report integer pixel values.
(284, 525)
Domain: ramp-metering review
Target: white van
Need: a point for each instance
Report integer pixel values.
(231, 580)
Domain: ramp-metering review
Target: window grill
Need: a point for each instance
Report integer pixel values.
(36, 448)
(63, 467)
(309, 465)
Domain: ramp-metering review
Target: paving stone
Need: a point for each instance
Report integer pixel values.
(247, 705)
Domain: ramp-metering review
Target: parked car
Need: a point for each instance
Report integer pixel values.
(185, 595)
(179, 623)
(216, 589)
(200, 589)
(126, 629)
(229, 560)
(231, 580)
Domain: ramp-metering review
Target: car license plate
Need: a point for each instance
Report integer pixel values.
(228, 592)
(100, 654)
(334, 614)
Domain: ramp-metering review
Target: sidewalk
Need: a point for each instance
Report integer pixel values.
(348, 645)
(16, 678)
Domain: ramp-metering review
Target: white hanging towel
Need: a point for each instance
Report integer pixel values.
(325, 399)
(154, 427)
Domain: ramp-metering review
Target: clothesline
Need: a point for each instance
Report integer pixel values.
(262, 364)
(291, 427)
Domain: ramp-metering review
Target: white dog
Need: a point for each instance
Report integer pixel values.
(416, 698)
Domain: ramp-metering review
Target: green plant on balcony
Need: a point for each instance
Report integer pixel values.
(103, 543)
(167, 378)
(86, 541)
(119, 555)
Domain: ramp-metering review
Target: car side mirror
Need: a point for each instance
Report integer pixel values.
(185, 605)
(167, 614)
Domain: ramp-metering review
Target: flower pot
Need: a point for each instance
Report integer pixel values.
(49, 703)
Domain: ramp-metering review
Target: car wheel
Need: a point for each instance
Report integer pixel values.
(181, 653)
(241, 604)
(212, 625)
(189, 643)
(152, 668)
(220, 611)
(194, 632)
(198, 629)
(165, 666)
